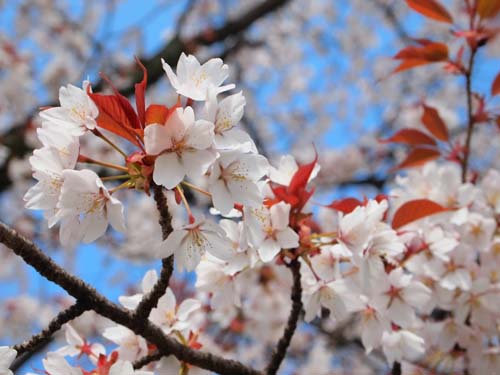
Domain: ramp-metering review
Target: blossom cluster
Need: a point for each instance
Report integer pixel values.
(402, 283)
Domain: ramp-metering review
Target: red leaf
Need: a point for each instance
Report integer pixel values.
(411, 137)
(434, 123)
(295, 193)
(427, 53)
(414, 210)
(495, 87)
(301, 176)
(488, 8)
(431, 9)
(140, 94)
(113, 117)
(419, 156)
(132, 119)
(156, 114)
(346, 205)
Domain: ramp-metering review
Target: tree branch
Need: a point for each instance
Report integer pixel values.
(87, 295)
(150, 301)
(280, 352)
(40, 340)
(55, 325)
(146, 360)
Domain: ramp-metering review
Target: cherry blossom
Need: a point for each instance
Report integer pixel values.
(225, 115)
(7, 356)
(268, 230)
(182, 145)
(83, 193)
(77, 346)
(233, 179)
(399, 345)
(172, 317)
(190, 242)
(77, 112)
(195, 81)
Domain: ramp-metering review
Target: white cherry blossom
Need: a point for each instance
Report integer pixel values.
(402, 344)
(77, 346)
(7, 356)
(181, 145)
(233, 179)
(130, 346)
(190, 242)
(48, 164)
(83, 193)
(194, 80)
(268, 230)
(225, 115)
(173, 317)
(76, 114)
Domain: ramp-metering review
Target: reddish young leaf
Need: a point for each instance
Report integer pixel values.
(431, 9)
(296, 193)
(156, 114)
(113, 117)
(140, 95)
(434, 123)
(414, 210)
(495, 86)
(411, 137)
(419, 156)
(488, 8)
(346, 205)
(132, 118)
(427, 53)
(301, 176)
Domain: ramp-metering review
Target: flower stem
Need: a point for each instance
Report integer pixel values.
(117, 177)
(196, 188)
(126, 184)
(186, 204)
(109, 142)
(86, 159)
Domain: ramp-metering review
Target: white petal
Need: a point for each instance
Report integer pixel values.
(168, 170)
(287, 238)
(268, 250)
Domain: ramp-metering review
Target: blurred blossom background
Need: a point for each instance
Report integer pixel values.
(315, 74)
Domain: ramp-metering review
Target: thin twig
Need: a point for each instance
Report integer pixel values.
(88, 295)
(150, 301)
(283, 344)
(39, 341)
(470, 116)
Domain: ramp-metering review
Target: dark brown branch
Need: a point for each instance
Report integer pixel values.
(42, 339)
(150, 301)
(140, 363)
(280, 352)
(87, 295)
(55, 325)
(396, 369)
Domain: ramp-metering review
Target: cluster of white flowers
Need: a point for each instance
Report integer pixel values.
(437, 274)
